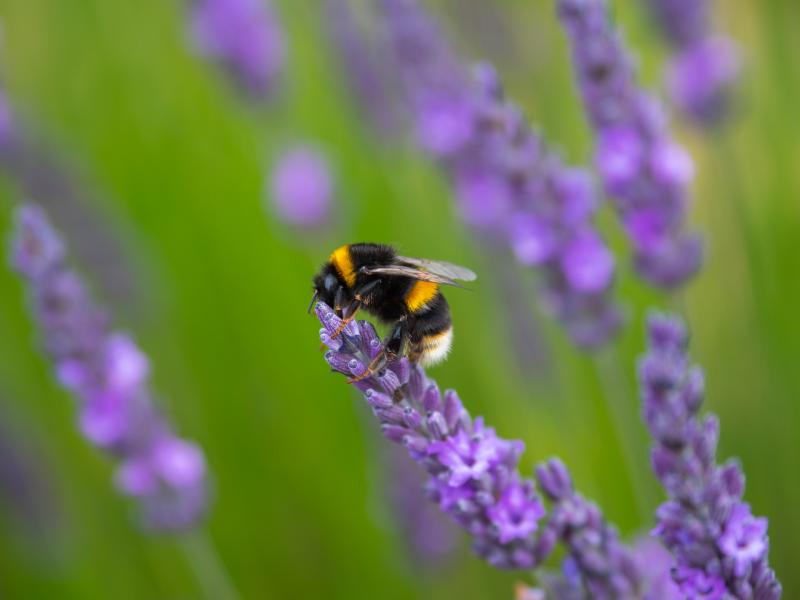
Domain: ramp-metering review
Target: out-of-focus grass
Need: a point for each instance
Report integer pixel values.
(114, 88)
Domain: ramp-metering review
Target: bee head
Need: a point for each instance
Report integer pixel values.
(328, 288)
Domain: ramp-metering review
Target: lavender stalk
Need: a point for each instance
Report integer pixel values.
(719, 547)
(643, 169)
(27, 487)
(245, 37)
(509, 185)
(7, 125)
(473, 473)
(651, 559)
(360, 60)
(704, 67)
(428, 538)
(109, 375)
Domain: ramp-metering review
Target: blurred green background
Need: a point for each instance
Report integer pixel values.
(216, 291)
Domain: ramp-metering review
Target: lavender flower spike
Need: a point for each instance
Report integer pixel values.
(360, 60)
(474, 475)
(245, 37)
(719, 547)
(704, 67)
(509, 185)
(428, 537)
(643, 169)
(7, 126)
(108, 374)
(597, 564)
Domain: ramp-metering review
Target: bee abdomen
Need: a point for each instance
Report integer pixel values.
(432, 348)
(431, 333)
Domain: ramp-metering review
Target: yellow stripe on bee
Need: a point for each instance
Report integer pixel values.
(343, 263)
(420, 294)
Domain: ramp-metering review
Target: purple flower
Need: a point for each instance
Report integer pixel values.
(620, 156)
(509, 186)
(744, 539)
(696, 583)
(27, 481)
(39, 172)
(360, 59)
(444, 124)
(431, 77)
(485, 199)
(243, 35)
(37, 248)
(6, 120)
(655, 566)
(109, 375)
(600, 564)
(301, 187)
(682, 22)
(645, 171)
(517, 514)
(467, 456)
(428, 536)
(474, 475)
(587, 263)
(531, 240)
(700, 79)
(704, 67)
(719, 547)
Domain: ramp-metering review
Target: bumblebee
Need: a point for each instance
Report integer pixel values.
(401, 291)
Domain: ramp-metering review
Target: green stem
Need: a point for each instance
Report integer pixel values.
(625, 423)
(205, 562)
(729, 172)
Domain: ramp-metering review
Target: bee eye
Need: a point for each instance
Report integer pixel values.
(330, 283)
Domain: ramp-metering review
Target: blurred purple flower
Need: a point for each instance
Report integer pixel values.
(428, 536)
(650, 559)
(719, 546)
(682, 22)
(508, 184)
(517, 513)
(360, 59)
(700, 79)
(27, 481)
(6, 120)
(696, 583)
(301, 188)
(433, 82)
(642, 168)
(109, 375)
(655, 565)
(244, 36)
(474, 475)
(41, 173)
(704, 67)
(598, 564)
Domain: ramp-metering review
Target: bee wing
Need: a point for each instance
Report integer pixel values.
(440, 267)
(412, 272)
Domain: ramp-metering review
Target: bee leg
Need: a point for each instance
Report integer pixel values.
(338, 300)
(393, 347)
(362, 293)
(349, 311)
(348, 314)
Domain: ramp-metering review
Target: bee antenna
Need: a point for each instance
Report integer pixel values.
(313, 301)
